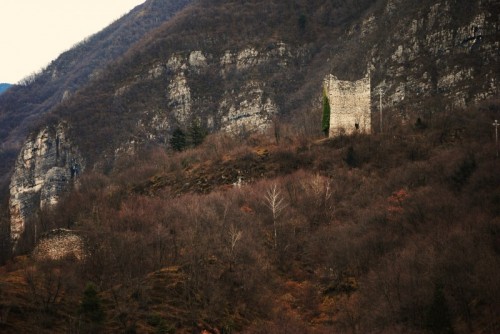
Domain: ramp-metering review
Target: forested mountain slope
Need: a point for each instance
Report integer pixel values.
(390, 233)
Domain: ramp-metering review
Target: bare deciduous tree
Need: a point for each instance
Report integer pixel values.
(234, 237)
(275, 201)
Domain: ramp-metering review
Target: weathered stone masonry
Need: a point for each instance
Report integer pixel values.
(59, 244)
(349, 105)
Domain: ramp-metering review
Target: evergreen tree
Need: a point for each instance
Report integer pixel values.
(464, 172)
(196, 133)
(438, 315)
(178, 140)
(326, 115)
(302, 22)
(351, 158)
(90, 306)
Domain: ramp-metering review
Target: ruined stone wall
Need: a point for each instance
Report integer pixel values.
(349, 105)
(59, 244)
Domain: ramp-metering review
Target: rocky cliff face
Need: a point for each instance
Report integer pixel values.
(229, 91)
(248, 111)
(420, 60)
(448, 51)
(44, 170)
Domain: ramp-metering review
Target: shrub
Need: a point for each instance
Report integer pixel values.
(90, 306)
(178, 140)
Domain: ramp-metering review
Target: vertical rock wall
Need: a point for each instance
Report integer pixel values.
(44, 170)
(448, 51)
(249, 111)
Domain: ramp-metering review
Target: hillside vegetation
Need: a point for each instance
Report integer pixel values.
(389, 233)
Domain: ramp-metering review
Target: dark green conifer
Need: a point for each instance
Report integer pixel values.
(178, 140)
(325, 124)
(196, 133)
(351, 158)
(438, 315)
(90, 306)
(302, 22)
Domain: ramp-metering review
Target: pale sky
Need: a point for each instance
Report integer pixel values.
(35, 32)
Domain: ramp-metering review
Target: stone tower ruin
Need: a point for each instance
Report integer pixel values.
(350, 103)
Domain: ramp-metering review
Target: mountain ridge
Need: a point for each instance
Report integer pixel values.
(210, 68)
(329, 42)
(4, 86)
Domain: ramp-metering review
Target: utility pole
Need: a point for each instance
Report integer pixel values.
(496, 124)
(380, 94)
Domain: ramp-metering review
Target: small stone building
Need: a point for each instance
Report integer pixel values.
(350, 105)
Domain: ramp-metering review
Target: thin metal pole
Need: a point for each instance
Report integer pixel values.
(496, 124)
(380, 94)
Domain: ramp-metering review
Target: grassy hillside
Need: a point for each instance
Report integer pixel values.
(353, 234)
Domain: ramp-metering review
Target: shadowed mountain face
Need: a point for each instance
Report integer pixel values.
(22, 106)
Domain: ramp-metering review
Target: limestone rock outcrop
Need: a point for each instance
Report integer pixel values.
(445, 51)
(247, 105)
(251, 111)
(44, 170)
(180, 98)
